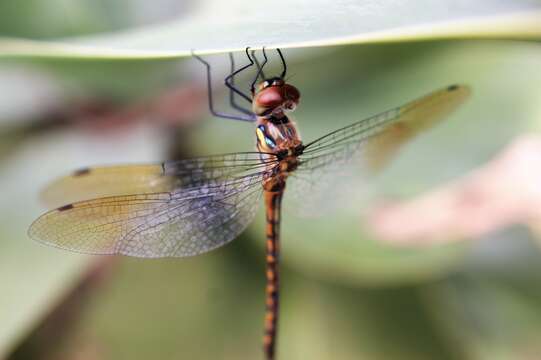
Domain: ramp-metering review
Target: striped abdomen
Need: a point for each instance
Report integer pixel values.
(273, 204)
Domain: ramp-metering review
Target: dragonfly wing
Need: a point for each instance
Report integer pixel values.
(371, 143)
(181, 223)
(197, 171)
(380, 136)
(413, 119)
(199, 221)
(318, 190)
(98, 182)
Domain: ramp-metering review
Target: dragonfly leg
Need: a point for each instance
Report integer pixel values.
(259, 71)
(259, 67)
(211, 102)
(230, 83)
(284, 66)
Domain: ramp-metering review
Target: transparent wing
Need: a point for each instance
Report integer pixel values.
(184, 222)
(370, 143)
(178, 208)
(91, 183)
(98, 182)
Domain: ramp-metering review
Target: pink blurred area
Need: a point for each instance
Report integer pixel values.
(505, 191)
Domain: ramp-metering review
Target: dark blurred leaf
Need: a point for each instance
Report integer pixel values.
(59, 18)
(490, 310)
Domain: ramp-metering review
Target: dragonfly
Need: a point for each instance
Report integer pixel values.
(188, 207)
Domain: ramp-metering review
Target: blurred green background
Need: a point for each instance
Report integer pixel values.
(346, 295)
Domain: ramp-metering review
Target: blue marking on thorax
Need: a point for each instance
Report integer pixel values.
(268, 140)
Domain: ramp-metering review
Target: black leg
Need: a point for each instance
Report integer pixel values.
(230, 83)
(228, 79)
(211, 103)
(260, 70)
(283, 63)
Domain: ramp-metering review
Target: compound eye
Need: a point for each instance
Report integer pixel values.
(269, 97)
(291, 93)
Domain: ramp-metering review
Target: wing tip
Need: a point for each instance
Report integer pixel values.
(458, 87)
(35, 234)
(81, 172)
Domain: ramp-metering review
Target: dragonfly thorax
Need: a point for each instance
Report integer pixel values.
(277, 136)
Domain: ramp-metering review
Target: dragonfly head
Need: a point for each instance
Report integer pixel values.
(274, 97)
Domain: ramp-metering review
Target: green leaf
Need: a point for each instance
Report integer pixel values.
(217, 26)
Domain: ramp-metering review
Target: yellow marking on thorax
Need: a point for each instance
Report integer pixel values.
(260, 136)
